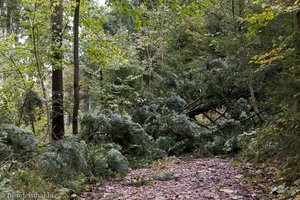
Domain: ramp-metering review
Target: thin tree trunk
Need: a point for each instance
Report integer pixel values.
(76, 68)
(9, 17)
(253, 100)
(2, 14)
(241, 8)
(32, 126)
(57, 72)
(41, 77)
(241, 13)
(233, 9)
(150, 66)
(22, 110)
(17, 29)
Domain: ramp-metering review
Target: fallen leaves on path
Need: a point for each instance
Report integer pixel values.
(205, 178)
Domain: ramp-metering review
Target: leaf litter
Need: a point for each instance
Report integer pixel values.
(179, 178)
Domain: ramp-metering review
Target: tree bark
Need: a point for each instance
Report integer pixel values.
(9, 10)
(57, 72)
(233, 9)
(76, 68)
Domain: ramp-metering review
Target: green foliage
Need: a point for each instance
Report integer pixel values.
(175, 103)
(29, 105)
(96, 158)
(227, 137)
(5, 150)
(25, 181)
(64, 161)
(164, 143)
(117, 162)
(100, 161)
(19, 178)
(278, 141)
(18, 140)
(158, 153)
(174, 133)
(215, 147)
(164, 177)
(72, 162)
(118, 129)
(141, 114)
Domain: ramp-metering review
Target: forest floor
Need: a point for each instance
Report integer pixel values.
(182, 178)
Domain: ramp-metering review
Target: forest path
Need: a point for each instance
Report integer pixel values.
(179, 178)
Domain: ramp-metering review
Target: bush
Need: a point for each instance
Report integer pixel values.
(14, 140)
(164, 143)
(241, 109)
(158, 153)
(142, 114)
(231, 145)
(72, 159)
(5, 150)
(64, 160)
(117, 162)
(117, 129)
(105, 159)
(172, 81)
(175, 103)
(175, 133)
(226, 137)
(278, 142)
(216, 146)
(97, 161)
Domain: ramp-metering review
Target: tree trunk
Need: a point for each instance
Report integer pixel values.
(241, 13)
(2, 15)
(9, 9)
(32, 126)
(253, 100)
(233, 9)
(35, 41)
(149, 67)
(57, 72)
(241, 8)
(17, 23)
(76, 68)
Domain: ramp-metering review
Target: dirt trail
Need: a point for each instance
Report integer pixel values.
(205, 178)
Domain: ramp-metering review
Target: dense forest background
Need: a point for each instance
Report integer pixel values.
(89, 91)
